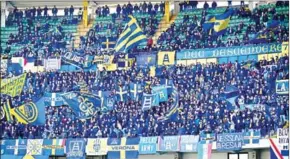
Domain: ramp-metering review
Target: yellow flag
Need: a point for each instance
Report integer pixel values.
(13, 86)
(166, 58)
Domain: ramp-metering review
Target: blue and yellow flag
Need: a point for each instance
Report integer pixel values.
(28, 113)
(131, 36)
(123, 148)
(53, 147)
(219, 23)
(222, 21)
(13, 86)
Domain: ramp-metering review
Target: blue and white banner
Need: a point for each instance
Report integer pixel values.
(188, 143)
(228, 51)
(121, 93)
(75, 148)
(229, 141)
(169, 143)
(282, 87)
(135, 91)
(149, 100)
(207, 138)
(53, 99)
(146, 60)
(148, 145)
(162, 92)
(252, 137)
(52, 64)
(15, 147)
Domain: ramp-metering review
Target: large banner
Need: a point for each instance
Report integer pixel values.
(188, 143)
(229, 141)
(75, 148)
(168, 143)
(97, 147)
(148, 145)
(52, 64)
(282, 87)
(283, 141)
(145, 60)
(228, 51)
(166, 58)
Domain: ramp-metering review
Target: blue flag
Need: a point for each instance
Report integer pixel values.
(121, 94)
(207, 138)
(85, 105)
(123, 148)
(53, 147)
(148, 145)
(147, 101)
(273, 24)
(53, 99)
(173, 112)
(15, 147)
(261, 36)
(169, 143)
(107, 100)
(135, 91)
(252, 137)
(162, 92)
(75, 148)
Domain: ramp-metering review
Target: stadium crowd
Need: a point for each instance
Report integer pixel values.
(201, 108)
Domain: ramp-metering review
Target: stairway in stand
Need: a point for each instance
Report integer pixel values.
(82, 31)
(163, 26)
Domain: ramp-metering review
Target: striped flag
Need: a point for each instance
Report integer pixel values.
(204, 151)
(131, 36)
(275, 152)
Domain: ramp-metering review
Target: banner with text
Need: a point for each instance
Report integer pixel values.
(148, 145)
(229, 141)
(283, 141)
(168, 143)
(188, 143)
(282, 87)
(52, 64)
(228, 51)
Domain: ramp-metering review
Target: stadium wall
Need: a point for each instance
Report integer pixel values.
(252, 154)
